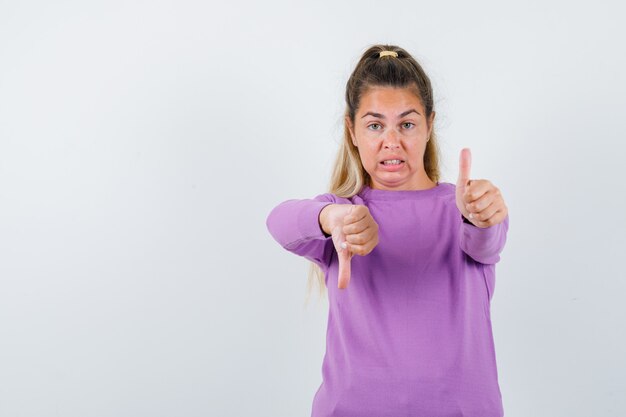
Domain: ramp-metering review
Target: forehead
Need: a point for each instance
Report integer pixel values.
(390, 100)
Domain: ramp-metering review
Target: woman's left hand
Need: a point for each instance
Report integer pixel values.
(479, 201)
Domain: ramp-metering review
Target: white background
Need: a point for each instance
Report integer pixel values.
(143, 144)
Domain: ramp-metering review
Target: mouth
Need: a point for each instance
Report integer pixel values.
(392, 162)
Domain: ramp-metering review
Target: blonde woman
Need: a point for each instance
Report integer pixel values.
(409, 328)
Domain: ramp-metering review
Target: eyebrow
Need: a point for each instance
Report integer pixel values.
(369, 113)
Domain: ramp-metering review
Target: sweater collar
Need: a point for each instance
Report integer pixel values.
(368, 193)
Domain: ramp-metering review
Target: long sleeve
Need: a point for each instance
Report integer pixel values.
(484, 244)
(294, 224)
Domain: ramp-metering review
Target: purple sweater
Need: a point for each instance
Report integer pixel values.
(411, 335)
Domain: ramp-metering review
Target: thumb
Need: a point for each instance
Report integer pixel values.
(465, 165)
(343, 254)
(344, 268)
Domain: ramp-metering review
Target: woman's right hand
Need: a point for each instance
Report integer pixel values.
(353, 226)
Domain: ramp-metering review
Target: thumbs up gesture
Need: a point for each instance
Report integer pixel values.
(353, 231)
(479, 201)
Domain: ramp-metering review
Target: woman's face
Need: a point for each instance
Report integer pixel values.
(391, 124)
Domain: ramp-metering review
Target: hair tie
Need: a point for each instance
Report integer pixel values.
(385, 53)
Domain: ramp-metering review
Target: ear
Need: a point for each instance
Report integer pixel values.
(351, 130)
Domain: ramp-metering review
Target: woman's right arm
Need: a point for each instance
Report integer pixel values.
(296, 226)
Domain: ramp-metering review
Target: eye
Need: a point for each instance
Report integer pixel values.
(408, 123)
(374, 124)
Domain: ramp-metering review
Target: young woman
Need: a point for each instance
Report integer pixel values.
(409, 327)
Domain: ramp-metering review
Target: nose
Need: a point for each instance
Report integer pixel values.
(391, 139)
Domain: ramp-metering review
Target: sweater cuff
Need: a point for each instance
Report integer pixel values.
(308, 221)
(483, 233)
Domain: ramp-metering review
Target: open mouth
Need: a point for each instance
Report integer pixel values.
(392, 162)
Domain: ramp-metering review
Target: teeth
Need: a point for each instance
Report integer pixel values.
(392, 162)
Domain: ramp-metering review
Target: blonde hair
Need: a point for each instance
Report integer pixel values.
(372, 70)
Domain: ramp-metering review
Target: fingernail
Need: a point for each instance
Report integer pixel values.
(471, 215)
(344, 245)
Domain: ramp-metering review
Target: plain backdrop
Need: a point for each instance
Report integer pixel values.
(144, 143)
